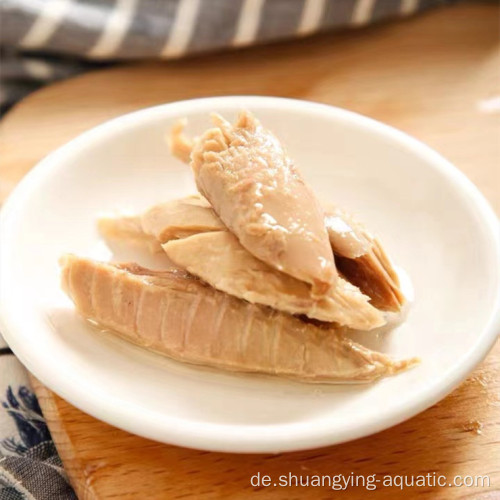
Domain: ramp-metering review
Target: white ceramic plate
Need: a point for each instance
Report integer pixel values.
(432, 220)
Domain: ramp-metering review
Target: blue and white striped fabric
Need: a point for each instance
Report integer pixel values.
(45, 40)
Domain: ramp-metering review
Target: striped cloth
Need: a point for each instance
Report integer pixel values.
(42, 41)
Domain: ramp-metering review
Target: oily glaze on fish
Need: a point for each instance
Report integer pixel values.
(259, 194)
(359, 256)
(219, 259)
(175, 314)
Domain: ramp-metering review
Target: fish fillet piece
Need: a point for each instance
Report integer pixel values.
(179, 144)
(361, 259)
(259, 194)
(359, 256)
(347, 237)
(127, 228)
(374, 275)
(219, 259)
(180, 218)
(177, 315)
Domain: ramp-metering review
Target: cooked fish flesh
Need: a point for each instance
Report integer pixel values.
(259, 194)
(347, 237)
(374, 275)
(219, 259)
(359, 256)
(361, 259)
(180, 218)
(160, 223)
(179, 144)
(128, 228)
(175, 314)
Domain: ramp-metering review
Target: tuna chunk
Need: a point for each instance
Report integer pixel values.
(361, 259)
(259, 194)
(177, 315)
(219, 259)
(180, 218)
(359, 256)
(347, 237)
(127, 228)
(374, 275)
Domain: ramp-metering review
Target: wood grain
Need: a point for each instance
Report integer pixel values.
(434, 76)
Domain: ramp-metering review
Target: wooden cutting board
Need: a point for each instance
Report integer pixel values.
(435, 76)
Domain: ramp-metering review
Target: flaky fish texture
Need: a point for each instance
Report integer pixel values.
(180, 218)
(218, 258)
(260, 195)
(359, 256)
(129, 228)
(361, 259)
(347, 237)
(177, 315)
(374, 275)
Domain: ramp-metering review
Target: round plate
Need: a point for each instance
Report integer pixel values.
(432, 220)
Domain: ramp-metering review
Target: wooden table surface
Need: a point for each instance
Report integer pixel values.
(435, 76)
